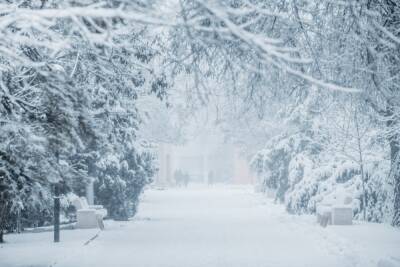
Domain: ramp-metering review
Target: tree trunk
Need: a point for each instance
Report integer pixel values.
(394, 142)
(394, 155)
(361, 163)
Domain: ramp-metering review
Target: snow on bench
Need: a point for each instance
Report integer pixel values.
(336, 210)
(88, 216)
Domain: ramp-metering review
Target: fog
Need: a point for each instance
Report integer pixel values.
(199, 133)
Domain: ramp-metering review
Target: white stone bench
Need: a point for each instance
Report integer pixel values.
(336, 212)
(324, 214)
(88, 216)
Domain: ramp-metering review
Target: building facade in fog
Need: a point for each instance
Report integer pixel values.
(205, 160)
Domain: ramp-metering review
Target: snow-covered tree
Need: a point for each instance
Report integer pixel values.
(71, 74)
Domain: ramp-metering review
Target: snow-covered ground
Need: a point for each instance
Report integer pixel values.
(209, 226)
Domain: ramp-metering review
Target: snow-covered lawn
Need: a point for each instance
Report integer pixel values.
(217, 226)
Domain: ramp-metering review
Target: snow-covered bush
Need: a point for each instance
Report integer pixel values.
(120, 182)
(285, 162)
(316, 160)
(311, 179)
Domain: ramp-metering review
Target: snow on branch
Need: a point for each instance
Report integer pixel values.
(96, 24)
(270, 51)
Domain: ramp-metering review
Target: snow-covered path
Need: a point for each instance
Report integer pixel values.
(219, 226)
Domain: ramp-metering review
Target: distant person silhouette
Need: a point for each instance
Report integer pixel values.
(210, 178)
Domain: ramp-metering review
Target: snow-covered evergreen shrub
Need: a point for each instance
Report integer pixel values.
(285, 161)
(120, 182)
(272, 166)
(379, 190)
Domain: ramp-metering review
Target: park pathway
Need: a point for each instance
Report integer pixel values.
(222, 226)
(218, 226)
